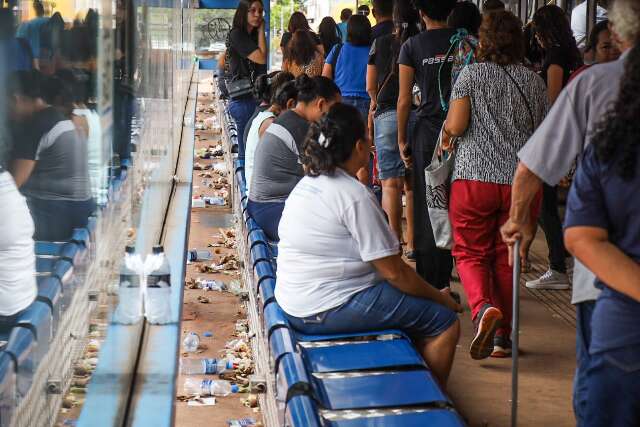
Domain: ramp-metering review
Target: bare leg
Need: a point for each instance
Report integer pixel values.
(392, 203)
(408, 192)
(438, 352)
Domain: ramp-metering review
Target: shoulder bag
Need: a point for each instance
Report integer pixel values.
(243, 87)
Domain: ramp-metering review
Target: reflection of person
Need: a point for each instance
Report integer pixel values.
(246, 59)
(16, 52)
(348, 276)
(601, 230)
(17, 258)
(31, 30)
(49, 161)
(490, 135)
(549, 155)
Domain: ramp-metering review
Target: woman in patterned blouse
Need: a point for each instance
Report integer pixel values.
(495, 106)
(302, 55)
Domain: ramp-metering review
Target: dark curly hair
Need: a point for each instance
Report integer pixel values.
(616, 138)
(551, 25)
(438, 10)
(501, 39)
(284, 93)
(302, 48)
(263, 87)
(341, 128)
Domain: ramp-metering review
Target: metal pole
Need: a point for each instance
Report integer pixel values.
(592, 6)
(515, 330)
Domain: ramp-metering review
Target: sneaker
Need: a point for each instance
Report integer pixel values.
(487, 323)
(501, 347)
(551, 280)
(411, 255)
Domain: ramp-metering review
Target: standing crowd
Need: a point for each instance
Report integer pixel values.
(518, 112)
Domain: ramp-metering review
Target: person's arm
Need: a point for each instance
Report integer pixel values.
(401, 276)
(265, 124)
(327, 70)
(457, 121)
(372, 85)
(259, 56)
(555, 75)
(21, 170)
(405, 77)
(592, 247)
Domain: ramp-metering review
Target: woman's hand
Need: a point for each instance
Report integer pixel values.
(449, 302)
(405, 154)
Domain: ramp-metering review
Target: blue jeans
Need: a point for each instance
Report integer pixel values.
(55, 219)
(361, 104)
(241, 110)
(390, 164)
(267, 215)
(613, 397)
(584, 312)
(380, 307)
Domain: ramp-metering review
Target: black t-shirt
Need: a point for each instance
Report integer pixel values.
(241, 45)
(425, 53)
(381, 55)
(28, 133)
(381, 29)
(556, 56)
(287, 36)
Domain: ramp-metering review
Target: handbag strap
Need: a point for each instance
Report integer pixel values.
(524, 98)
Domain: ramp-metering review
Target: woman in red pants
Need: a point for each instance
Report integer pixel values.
(495, 106)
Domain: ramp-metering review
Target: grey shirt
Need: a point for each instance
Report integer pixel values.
(565, 133)
(276, 166)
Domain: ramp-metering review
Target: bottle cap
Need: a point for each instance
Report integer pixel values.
(158, 249)
(234, 388)
(129, 249)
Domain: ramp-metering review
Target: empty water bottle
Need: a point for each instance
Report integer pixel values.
(199, 255)
(157, 306)
(191, 342)
(129, 308)
(215, 200)
(205, 366)
(210, 285)
(209, 387)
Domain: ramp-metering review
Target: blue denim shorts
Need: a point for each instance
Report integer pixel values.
(390, 164)
(380, 307)
(361, 104)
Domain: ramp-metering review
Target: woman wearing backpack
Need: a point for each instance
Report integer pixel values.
(495, 106)
(382, 85)
(246, 60)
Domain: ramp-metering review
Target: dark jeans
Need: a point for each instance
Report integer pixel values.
(584, 312)
(55, 220)
(267, 215)
(241, 110)
(433, 264)
(552, 226)
(7, 322)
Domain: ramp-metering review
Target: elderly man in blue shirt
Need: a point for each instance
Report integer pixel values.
(549, 156)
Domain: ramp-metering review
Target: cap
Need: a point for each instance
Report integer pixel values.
(129, 249)
(234, 388)
(158, 249)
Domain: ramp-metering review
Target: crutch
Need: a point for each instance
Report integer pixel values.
(515, 329)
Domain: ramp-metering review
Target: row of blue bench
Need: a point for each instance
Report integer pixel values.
(60, 270)
(376, 378)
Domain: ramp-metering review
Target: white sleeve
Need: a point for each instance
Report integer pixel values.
(366, 223)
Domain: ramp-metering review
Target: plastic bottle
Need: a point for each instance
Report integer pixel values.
(199, 255)
(210, 285)
(209, 387)
(129, 308)
(191, 342)
(157, 307)
(205, 366)
(214, 200)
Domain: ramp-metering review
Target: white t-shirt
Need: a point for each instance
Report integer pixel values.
(331, 228)
(253, 137)
(18, 287)
(579, 22)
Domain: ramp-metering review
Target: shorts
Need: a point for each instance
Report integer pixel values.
(361, 104)
(390, 164)
(380, 307)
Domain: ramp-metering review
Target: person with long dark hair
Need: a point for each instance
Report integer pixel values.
(601, 47)
(348, 276)
(382, 85)
(276, 168)
(601, 230)
(423, 60)
(345, 14)
(246, 59)
(329, 34)
(302, 55)
(561, 57)
(298, 22)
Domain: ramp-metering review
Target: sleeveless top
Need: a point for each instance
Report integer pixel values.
(253, 137)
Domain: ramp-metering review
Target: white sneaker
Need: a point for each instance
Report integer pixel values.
(551, 280)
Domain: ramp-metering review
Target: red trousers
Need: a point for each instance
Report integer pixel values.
(477, 211)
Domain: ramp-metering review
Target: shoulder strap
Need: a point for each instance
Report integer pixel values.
(524, 98)
(390, 73)
(455, 40)
(334, 61)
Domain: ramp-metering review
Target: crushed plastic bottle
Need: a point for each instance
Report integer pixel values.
(205, 366)
(199, 255)
(191, 342)
(209, 387)
(214, 200)
(211, 285)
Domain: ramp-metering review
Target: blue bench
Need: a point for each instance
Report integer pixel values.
(48, 266)
(50, 292)
(21, 343)
(38, 319)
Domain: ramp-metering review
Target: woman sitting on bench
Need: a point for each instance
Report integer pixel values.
(339, 265)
